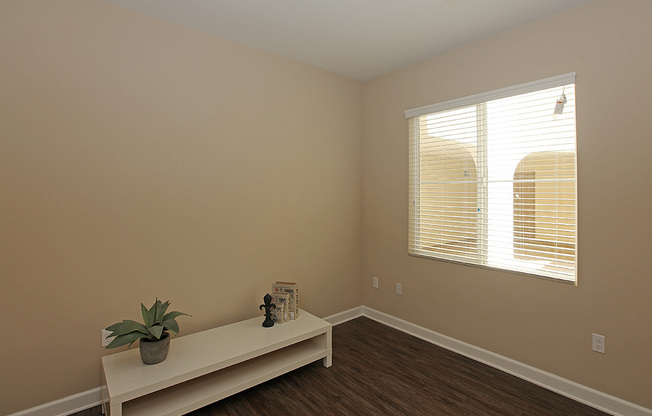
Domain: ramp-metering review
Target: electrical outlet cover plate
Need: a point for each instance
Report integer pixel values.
(106, 339)
(375, 282)
(399, 289)
(598, 343)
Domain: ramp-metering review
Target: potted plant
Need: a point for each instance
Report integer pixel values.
(153, 334)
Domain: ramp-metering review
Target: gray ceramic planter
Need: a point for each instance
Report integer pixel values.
(154, 352)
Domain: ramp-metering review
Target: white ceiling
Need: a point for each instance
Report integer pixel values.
(357, 38)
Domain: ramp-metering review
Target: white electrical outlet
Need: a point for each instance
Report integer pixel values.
(375, 282)
(106, 338)
(598, 343)
(399, 289)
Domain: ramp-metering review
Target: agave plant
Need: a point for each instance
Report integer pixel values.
(157, 322)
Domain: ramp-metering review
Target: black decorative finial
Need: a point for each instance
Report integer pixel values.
(268, 314)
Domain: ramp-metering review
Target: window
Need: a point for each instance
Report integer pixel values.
(492, 179)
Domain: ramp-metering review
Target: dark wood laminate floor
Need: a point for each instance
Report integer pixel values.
(381, 371)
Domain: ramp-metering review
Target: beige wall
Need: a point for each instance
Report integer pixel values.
(142, 159)
(538, 322)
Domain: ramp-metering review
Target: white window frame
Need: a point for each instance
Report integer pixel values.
(414, 162)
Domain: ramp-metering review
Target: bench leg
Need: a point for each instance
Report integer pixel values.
(328, 339)
(116, 410)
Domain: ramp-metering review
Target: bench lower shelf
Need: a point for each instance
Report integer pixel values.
(202, 391)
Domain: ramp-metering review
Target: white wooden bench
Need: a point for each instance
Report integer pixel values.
(208, 366)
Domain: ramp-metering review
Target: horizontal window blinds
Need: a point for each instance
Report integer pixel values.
(492, 182)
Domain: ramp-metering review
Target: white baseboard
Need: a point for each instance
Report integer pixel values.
(575, 391)
(341, 317)
(67, 405)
